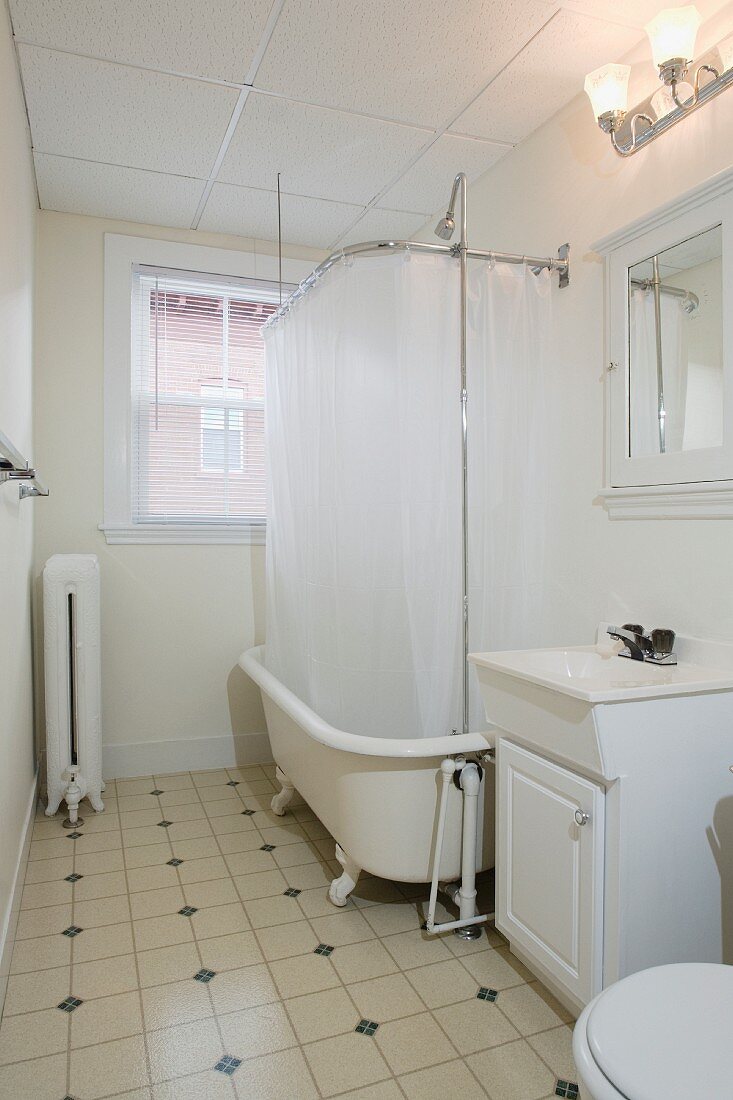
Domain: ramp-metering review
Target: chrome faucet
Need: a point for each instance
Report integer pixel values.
(656, 647)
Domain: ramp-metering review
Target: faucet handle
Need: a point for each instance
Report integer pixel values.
(662, 641)
(635, 628)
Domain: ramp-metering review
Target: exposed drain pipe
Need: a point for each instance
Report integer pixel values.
(465, 895)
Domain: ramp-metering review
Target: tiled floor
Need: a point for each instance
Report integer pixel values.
(183, 947)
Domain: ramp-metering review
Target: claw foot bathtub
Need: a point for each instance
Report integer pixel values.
(377, 796)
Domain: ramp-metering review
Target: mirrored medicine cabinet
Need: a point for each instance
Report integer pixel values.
(669, 364)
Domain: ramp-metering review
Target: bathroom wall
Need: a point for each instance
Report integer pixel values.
(566, 184)
(17, 230)
(174, 618)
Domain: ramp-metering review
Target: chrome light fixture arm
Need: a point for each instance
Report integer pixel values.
(631, 148)
(690, 104)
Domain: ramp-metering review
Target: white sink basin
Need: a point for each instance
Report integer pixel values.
(598, 674)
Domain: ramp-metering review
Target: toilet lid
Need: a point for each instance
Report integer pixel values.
(667, 1033)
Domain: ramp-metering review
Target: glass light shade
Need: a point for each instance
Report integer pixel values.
(725, 49)
(607, 88)
(662, 101)
(672, 34)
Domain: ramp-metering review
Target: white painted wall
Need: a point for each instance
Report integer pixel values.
(17, 230)
(174, 618)
(565, 184)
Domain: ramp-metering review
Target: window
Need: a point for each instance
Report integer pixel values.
(198, 448)
(184, 389)
(221, 434)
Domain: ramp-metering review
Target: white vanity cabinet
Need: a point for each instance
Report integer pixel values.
(643, 755)
(549, 877)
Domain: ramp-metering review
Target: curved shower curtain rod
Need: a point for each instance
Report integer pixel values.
(559, 263)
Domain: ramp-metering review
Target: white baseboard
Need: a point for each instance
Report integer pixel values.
(189, 754)
(12, 911)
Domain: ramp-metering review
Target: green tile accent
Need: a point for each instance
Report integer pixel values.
(485, 994)
(366, 1027)
(205, 976)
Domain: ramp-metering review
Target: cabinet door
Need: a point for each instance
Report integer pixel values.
(549, 880)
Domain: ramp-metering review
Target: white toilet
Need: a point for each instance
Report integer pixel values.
(661, 1034)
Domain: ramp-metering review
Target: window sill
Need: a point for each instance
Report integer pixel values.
(698, 500)
(200, 534)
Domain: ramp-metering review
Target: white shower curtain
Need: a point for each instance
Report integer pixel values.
(509, 329)
(643, 372)
(364, 521)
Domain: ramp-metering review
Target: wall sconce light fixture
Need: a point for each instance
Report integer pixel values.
(687, 84)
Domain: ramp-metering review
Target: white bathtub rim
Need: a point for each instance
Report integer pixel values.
(252, 662)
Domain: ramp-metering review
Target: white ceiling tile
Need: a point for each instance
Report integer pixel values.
(94, 110)
(216, 39)
(416, 61)
(547, 74)
(320, 152)
(111, 191)
(381, 225)
(426, 186)
(638, 12)
(253, 213)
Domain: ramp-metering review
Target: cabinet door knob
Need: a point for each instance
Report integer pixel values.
(581, 817)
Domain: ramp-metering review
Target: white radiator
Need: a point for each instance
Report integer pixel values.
(73, 682)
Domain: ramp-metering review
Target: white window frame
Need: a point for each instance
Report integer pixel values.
(121, 254)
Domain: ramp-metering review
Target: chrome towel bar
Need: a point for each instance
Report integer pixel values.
(13, 467)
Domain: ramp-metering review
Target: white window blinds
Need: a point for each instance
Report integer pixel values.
(197, 438)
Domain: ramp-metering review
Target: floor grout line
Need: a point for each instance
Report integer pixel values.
(197, 796)
(269, 969)
(198, 949)
(136, 964)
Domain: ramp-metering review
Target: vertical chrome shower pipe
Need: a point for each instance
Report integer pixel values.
(461, 183)
(661, 413)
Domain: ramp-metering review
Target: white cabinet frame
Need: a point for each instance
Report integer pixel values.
(694, 484)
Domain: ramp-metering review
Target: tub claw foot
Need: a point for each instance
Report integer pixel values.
(281, 800)
(341, 887)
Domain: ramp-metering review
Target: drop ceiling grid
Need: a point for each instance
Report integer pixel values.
(97, 110)
(520, 99)
(320, 152)
(350, 101)
(423, 53)
(217, 39)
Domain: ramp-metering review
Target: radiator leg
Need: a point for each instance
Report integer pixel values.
(96, 801)
(341, 887)
(54, 800)
(281, 800)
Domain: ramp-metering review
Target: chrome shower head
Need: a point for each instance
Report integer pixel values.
(690, 303)
(446, 227)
